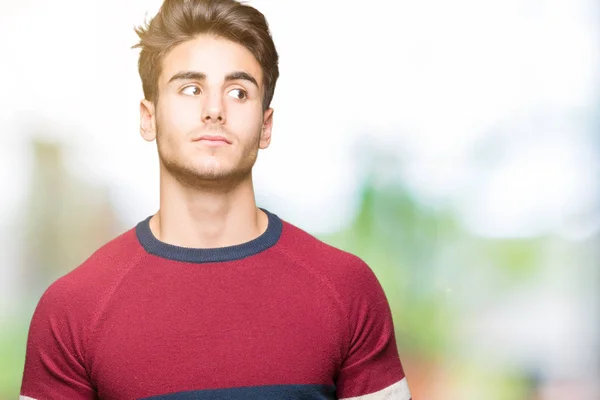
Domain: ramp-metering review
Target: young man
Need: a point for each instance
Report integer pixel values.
(212, 297)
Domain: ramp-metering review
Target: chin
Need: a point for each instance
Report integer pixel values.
(207, 171)
(210, 172)
(215, 175)
(211, 175)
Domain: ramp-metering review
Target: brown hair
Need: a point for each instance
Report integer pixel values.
(181, 20)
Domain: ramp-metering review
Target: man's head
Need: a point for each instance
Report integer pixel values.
(181, 20)
(208, 70)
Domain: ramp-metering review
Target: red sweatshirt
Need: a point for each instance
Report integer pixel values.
(284, 316)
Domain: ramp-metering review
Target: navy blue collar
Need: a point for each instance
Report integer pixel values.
(204, 255)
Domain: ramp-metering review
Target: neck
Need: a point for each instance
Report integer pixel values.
(197, 217)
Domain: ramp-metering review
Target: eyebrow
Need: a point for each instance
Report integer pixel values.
(200, 76)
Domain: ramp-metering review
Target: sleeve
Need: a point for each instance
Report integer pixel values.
(54, 362)
(371, 369)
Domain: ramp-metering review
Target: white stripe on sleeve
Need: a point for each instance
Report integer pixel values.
(398, 391)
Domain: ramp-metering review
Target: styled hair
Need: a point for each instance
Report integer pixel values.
(179, 21)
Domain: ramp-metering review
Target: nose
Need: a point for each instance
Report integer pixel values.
(213, 109)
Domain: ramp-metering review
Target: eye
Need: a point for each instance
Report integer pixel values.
(238, 94)
(191, 90)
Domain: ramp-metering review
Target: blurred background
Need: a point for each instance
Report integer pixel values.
(454, 146)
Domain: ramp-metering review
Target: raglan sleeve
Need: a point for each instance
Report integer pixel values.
(372, 369)
(54, 358)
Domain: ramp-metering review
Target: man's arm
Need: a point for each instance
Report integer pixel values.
(54, 361)
(372, 369)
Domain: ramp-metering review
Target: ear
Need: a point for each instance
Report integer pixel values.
(265, 134)
(147, 120)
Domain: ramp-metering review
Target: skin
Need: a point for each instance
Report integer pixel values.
(208, 86)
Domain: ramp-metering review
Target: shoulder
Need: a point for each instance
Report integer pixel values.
(59, 343)
(346, 273)
(372, 360)
(81, 289)
(300, 244)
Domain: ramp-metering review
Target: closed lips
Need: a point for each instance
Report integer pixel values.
(214, 139)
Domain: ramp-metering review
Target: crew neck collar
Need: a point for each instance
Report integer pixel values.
(205, 255)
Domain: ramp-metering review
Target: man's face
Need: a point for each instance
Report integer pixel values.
(209, 121)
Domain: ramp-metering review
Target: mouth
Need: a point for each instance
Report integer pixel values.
(213, 139)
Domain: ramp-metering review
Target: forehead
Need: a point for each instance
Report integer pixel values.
(215, 57)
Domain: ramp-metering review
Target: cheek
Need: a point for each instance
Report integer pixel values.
(177, 118)
(245, 121)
